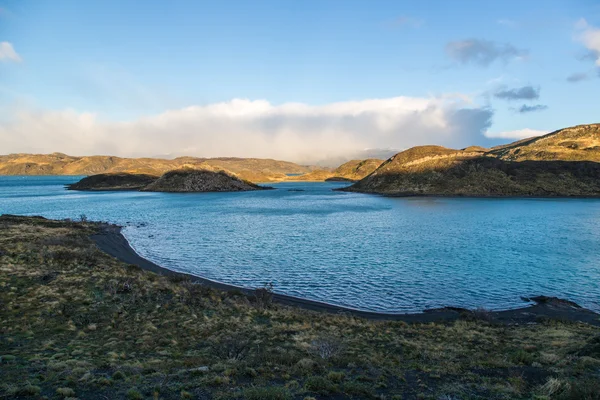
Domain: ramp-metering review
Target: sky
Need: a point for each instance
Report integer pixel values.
(304, 81)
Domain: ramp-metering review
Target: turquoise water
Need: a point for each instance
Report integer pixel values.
(362, 251)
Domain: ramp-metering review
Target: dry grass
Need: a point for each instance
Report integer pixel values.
(77, 323)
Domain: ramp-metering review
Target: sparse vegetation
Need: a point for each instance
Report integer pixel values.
(78, 323)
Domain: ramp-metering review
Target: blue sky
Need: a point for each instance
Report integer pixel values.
(210, 78)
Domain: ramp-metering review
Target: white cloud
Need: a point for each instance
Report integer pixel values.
(245, 128)
(590, 37)
(518, 134)
(8, 53)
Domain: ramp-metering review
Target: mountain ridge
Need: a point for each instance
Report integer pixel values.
(252, 169)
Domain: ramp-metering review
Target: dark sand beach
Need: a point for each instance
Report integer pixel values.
(111, 241)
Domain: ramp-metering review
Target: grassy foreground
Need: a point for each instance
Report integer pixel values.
(76, 323)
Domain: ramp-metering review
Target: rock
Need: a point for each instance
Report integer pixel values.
(555, 301)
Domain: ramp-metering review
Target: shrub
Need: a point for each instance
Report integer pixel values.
(326, 347)
(218, 381)
(588, 389)
(133, 394)
(30, 390)
(65, 392)
(522, 357)
(358, 389)
(264, 295)
(318, 384)
(232, 345)
(267, 393)
(336, 377)
(7, 358)
(119, 375)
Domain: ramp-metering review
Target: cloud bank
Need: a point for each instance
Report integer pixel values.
(8, 53)
(246, 128)
(483, 52)
(590, 37)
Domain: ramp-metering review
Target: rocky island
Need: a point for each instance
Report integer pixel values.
(181, 180)
(191, 180)
(106, 182)
(561, 164)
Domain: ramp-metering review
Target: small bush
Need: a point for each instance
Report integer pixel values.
(30, 390)
(267, 393)
(133, 394)
(326, 347)
(335, 377)
(522, 357)
(65, 392)
(218, 381)
(264, 296)
(119, 375)
(7, 358)
(588, 389)
(358, 389)
(318, 384)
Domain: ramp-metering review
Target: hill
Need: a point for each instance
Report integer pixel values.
(562, 163)
(193, 180)
(577, 143)
(113, 182)
(253, 169)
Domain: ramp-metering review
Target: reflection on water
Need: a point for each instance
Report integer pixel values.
(369, 252)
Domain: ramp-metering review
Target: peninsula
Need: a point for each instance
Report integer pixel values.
(564, 163)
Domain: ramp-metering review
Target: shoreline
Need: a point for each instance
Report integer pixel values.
(460, 196)
(111, 241)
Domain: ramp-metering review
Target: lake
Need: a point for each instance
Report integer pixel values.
(362, 251)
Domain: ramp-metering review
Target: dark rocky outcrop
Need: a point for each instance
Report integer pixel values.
(339, 179)
(107, 182)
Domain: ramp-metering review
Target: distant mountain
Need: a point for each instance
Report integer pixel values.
(562, 163)
(350, 171)
(334, 162)
(252, 169)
